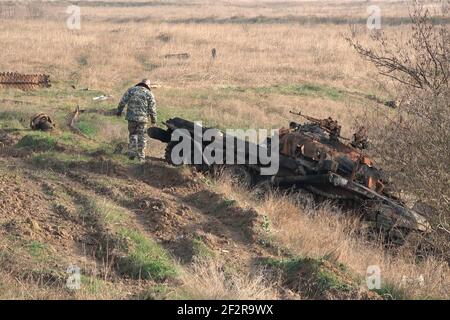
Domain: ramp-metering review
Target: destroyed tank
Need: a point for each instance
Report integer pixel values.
(330, 168)
(312, 156)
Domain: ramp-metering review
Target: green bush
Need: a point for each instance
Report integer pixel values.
(38, 141)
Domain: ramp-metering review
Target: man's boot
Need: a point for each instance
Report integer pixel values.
(131, 155)
(132, 146)
(140, 154)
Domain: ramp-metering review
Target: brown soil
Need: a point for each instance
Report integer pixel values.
(171, 205)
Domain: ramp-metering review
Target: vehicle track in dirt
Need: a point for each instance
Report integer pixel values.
(173, 205)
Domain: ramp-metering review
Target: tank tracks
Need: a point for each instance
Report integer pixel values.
(24, 81)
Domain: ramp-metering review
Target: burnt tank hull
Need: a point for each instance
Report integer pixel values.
(312, 159)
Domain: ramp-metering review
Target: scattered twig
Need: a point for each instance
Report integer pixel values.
(72, 122)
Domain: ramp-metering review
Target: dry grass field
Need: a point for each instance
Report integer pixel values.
(256, 72)
(78, 199)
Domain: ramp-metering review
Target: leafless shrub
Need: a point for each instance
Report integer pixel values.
(414, 143)
(420, 62)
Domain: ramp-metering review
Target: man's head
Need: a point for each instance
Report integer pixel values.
(145, 82)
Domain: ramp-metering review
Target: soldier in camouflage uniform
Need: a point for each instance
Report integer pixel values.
(141, 105)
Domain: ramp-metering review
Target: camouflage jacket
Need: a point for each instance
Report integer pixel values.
(141, 104)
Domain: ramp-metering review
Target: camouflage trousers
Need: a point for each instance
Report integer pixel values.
(137, 139)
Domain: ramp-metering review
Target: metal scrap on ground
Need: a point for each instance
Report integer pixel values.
(183, 55)
(392, 104)
(101, 98)
(24, 81)
(41, 121)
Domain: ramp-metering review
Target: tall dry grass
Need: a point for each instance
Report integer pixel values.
(105, 53)
(210, 279)
(118, 45)
(309, 229)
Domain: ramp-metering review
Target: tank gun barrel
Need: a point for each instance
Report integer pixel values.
(318, 121)
(329, 125)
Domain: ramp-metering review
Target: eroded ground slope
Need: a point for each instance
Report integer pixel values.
(134, 230)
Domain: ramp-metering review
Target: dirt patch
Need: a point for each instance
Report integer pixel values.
(8, 139)
(7, 142)
(28, 210)
(177, 209)
(170, 205)
(20, 198)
